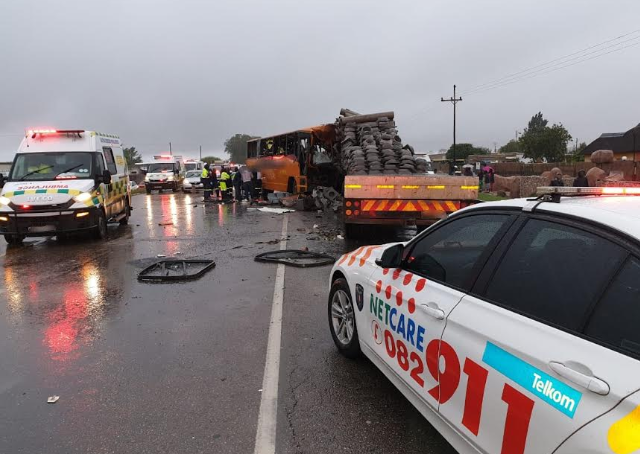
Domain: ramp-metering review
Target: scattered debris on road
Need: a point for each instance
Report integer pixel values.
(53, 399)
(296, 257)
(163, 223)
(175, 270)
(275, 210)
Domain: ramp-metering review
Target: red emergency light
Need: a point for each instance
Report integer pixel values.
(47, 132)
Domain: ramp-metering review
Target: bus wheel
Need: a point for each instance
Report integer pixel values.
(292, 187)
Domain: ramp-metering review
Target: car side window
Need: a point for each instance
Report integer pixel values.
(111, 162)
(615, 318)
(554, 272)
(450, 253)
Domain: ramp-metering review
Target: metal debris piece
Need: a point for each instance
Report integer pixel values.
(275, 210)
(175, 270)
(296, 257)
(53, 399)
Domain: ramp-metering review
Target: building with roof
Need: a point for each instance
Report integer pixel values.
(625, 145)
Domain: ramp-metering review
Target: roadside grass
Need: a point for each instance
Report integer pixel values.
(488, 197)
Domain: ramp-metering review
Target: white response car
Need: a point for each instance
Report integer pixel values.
(514, 326)
(192, 182)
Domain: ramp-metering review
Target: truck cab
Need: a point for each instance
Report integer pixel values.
(64, 181)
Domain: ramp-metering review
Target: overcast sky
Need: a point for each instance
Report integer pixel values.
(195, 72)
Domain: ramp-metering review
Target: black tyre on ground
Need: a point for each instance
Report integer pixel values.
(354, 231)
(14, 239)
(127, 213)
(100, 230)
(342, 319)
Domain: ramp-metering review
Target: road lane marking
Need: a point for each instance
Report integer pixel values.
(267, 418)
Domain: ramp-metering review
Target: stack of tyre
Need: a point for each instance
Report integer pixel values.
(375, 148)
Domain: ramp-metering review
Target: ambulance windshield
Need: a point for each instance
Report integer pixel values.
(160, 167)
(51, 166)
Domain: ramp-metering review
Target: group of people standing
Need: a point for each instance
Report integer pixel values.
(230, 186)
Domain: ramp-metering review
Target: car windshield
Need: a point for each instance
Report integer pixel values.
(160, 167)
(193, 174)
(191, 166)
(51, 166)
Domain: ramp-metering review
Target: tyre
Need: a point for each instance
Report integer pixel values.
(100, 230)
(292, 187)
(13, 239)
(127, 212)
(353, 231)
(148, 190)
(342, 320)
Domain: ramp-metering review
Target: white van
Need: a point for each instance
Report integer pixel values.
(166, 172)
(64, 181)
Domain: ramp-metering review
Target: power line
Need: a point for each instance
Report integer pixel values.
(550, 70)
(560, 60)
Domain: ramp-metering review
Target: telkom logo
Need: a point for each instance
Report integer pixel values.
(546, 388)
(549, 389)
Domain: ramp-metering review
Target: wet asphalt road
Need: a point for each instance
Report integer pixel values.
(168, 368)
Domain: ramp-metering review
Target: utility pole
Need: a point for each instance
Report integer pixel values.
(200, 152)
(453, 101)
(170, 152)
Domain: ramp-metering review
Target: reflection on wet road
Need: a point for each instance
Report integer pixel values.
(154, 367)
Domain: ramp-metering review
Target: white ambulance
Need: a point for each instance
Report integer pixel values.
(64, 181)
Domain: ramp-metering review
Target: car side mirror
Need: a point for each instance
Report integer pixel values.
(391, 257)
(2, 181)
(106, 177)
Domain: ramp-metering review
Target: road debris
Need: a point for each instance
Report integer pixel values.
(53, 399)
(160, 256)
(175, 270)
(275, 210)
(296, 257)
(163, 223)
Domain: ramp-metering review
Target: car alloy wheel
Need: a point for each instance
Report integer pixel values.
(342, 317)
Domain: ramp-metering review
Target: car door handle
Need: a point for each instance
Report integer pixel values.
(434, 312)
(589, 382)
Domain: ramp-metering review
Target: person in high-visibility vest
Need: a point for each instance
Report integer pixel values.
(225, 180)
(205, 177)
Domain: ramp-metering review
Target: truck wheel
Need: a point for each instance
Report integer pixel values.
(13, 239)
(100, 230)
(353, 231)
(148, 190)
(127, 212)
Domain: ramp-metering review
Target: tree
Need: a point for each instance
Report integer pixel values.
(541, 142)
(576, 153)
(513, 146)
(132, 156)
(463, 150)
(211, 159)
(236, 147)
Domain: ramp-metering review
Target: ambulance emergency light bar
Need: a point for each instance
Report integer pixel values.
(571, 191)
(34, 132)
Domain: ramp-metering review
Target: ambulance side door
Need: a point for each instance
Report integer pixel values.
(530, 375)
(408, 306)
(110, 205)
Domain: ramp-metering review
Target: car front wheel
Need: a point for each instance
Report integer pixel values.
(342, 319)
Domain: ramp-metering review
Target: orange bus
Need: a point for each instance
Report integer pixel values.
(295, 162)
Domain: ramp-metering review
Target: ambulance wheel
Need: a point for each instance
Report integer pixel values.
(100, 230)
(342, 320)
(127, 213)
(14, 239)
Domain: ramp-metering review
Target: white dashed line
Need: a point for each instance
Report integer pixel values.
(267, 418)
